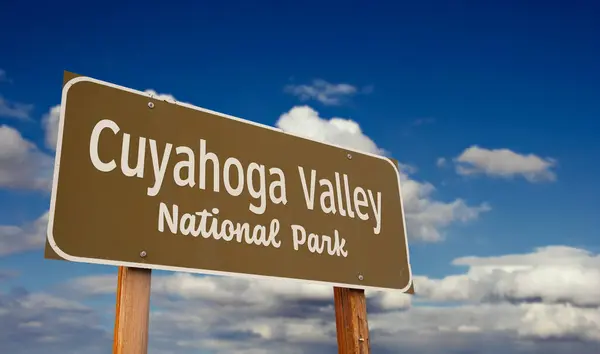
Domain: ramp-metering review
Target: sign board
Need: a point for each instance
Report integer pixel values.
(143, 182)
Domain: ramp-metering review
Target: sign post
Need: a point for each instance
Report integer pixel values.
(351, 321)
(132, 312)
(142, 183)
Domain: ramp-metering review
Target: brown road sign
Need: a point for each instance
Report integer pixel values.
(143, 182)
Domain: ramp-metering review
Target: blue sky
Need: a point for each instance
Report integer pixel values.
(432, 80)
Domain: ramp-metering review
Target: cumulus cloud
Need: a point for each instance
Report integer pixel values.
(15, 110)
(487, 328)
(483, 308)
(505, 163)
(465, 329)
(425, 216)
(564, 306)
(231, 314)
(553, 274)
(306, 122)
(22, 164)
(560, 321)
(325, 92)
(235, 290)
(193, 313)
(50, 125)
(30, 236)
(43, 323)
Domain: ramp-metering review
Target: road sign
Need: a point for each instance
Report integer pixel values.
(148, 183)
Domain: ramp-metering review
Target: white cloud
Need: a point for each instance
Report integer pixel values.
(22, 164)
(16, 110)
(232, 314)
(186, 322)
(50, 125)
(389, 300)
(553, 274)
(505, 163)
(231, 290)
(440, 162)
(3, 76)
(325, 92)
(462, 313)
(47, 301)
(522, 328)
(560, 321)
(43, 323)
(16, 239)
(235, 290)
(425, 216)
(470, 328)
(95, 284)
(306, 122)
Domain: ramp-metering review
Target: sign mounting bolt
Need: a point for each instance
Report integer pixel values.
(360, 277)
(150, 105)
(143, 254)
(349, 156)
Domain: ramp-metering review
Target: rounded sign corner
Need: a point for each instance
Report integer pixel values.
(55, 248)
(409, 282)
(69, 84)
(392, 163)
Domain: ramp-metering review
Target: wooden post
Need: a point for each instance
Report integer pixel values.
(133, 311)
(351, 321)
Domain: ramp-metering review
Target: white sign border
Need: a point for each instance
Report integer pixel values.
(68, 257)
